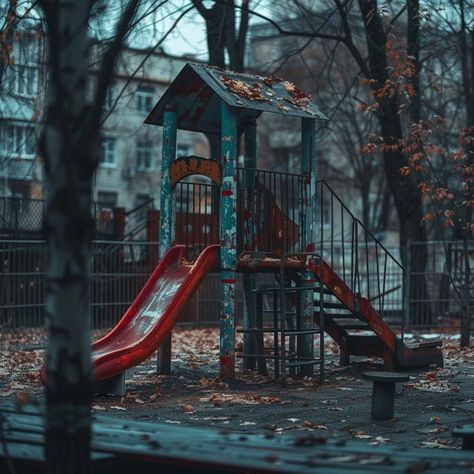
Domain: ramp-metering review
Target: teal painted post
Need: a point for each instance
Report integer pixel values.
(163, 359)
(166, 201)
(228, 238)
(249, 279)
(308, 167)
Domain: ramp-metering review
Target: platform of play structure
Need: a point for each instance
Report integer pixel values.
(307, 265)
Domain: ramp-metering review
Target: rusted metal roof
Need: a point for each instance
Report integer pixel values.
(197, 91)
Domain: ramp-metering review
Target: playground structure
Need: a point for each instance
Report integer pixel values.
(330, 274)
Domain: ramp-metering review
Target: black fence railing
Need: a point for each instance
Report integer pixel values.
(197, 216)
(118, 272)
(367, 267)
(271, 211)
(136, 221)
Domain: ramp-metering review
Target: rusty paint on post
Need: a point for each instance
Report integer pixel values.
(228, 238)
(166, 201)
(308, 168)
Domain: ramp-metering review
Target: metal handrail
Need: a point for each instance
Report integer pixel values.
(377, 241)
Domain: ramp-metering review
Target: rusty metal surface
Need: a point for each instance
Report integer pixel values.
(191, 165)
(198, 90)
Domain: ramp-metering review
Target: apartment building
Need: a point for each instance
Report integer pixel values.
(129, 170)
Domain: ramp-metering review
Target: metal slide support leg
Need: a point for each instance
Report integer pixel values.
(227, 333)
(111, 386)
(306, 342)
(249, 320)
(167, 214)
(383, 400)
(163, 359)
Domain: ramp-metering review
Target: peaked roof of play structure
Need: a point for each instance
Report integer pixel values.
(197, 90)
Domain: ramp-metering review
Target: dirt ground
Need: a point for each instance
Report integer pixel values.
(427, 407)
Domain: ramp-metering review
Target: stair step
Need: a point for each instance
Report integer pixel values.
(338, 316)
(326, 291)
(303, 362)
(426, 345)
(298, 332)
(332, 305)
(349, 324)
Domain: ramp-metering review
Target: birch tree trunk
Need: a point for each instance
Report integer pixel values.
(69, 165)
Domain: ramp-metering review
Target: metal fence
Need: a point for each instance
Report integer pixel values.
(437, 294)
(119, 270)
(22, 218)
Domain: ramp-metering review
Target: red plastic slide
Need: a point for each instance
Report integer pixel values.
(152, 315)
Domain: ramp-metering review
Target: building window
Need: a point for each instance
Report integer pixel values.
(142, 204)
(25, 80)
(144, 153)
(184, 150)
(106, 199)
(108, 152)
(145, 96)
(17, 140)
(110, 97)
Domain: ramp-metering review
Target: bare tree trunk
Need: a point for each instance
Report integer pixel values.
(466, 300)
(68, 227)
(406, 195)
(466, 41)
(221, 37)
(69, 145)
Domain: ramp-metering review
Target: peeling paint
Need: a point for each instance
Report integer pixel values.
(228, 236)
(166, 201)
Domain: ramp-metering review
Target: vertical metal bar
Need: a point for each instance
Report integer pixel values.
(249, 280)
(321, 213)
(186, 223)
(282, 322)
(308, 166)
(367, 263)
(332, 230)
(380, 291)
(407, 282)
(322, 316)
(343, 250)
(276, 353)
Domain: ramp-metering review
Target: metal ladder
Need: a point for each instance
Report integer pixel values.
(287, 330)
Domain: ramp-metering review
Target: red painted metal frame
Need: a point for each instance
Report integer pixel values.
(140, 346)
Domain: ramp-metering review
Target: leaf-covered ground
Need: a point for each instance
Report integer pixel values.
(427, 407)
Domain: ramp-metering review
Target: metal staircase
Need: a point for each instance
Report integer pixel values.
(353, 276)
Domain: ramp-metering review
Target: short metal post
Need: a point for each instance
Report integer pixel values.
(383, 400)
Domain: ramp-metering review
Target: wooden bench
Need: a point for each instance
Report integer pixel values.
(383, 393)
(466, 432)
(146, 447)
